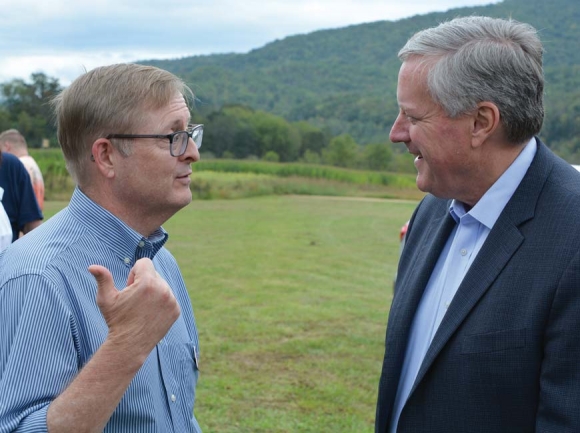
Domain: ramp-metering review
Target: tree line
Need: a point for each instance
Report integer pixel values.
(344, 80)
(232, 131)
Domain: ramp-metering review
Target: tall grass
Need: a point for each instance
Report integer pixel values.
(312, 171)
(215, 178)
(57, 181)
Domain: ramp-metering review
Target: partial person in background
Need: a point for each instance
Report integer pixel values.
(482, 335)
(5, 227)
(18, 198)
(13, 142)
(78, 354)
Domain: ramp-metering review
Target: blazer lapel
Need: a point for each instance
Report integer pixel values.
(499, 247)
(417, 276)
(501, 244)
(409, 293)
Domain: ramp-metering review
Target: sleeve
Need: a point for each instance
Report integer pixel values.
(559, 396)
(28, 209)
(38, 356)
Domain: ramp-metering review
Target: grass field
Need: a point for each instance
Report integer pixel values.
(291, 296)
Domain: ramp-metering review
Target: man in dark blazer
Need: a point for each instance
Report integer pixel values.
(484, 329)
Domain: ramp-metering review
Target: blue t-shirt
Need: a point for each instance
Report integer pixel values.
(19, 200)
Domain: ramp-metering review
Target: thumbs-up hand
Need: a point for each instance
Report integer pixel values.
(140, 315)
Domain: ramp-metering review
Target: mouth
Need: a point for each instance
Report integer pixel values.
(184, 176)
(417, 154)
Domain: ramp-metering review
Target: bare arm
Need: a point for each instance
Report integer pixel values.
(138, 317)
(30, 226)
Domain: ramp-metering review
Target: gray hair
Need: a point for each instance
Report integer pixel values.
(109, 100)
(476, 59)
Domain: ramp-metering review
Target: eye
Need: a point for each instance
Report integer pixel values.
(411, 119)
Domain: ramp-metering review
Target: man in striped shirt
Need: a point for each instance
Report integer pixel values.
(76, 353)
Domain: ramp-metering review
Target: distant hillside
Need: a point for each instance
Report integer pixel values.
(345, 79)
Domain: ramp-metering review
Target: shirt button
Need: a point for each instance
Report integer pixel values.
(141, 244)
(127, 260)
(463, 252)
(173, 398)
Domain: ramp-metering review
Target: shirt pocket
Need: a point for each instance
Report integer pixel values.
(184, 375)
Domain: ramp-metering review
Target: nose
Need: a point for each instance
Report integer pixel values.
(191, 153)
(400, 130)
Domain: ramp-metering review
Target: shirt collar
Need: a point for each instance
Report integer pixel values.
(488, 209)
(125, 242)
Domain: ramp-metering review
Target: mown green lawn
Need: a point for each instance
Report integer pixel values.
(291, 296)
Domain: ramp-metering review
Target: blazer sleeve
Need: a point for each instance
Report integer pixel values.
(559, 394)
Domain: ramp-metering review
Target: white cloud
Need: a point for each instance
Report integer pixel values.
(61, 38)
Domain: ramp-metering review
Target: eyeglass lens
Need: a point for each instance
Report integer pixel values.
(180, 141)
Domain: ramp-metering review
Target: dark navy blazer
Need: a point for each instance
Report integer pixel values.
(506, 357)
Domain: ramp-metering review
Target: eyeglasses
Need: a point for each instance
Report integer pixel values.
(177, 141)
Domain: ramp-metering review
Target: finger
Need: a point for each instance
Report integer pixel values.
(144, 264)
(106, 290)
(141, 269)
(131, 277)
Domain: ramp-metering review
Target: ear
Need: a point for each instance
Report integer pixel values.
(486, 121)
(103, 155)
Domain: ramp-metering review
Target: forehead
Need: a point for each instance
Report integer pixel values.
(412, 84)
(174, 113)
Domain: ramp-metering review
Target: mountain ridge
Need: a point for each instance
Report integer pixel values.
(344, 79)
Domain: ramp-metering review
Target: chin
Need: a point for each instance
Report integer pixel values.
(421, 184)
(178, 202)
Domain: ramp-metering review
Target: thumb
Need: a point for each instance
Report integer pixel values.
(106, 290)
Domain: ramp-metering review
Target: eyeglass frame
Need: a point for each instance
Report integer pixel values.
(190, 129)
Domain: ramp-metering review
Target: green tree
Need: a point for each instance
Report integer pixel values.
(230, 130)
(271, 156)
(311, 137)
(377, 156)
(342, 151)
(311, 157)
(5, 122)
(277, 135)
(29, 108)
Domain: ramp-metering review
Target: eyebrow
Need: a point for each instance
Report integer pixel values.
(177, 125)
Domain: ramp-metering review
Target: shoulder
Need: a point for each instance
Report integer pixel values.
(29, 163)
(41, 248)
(12, 171)
(10, 161)
(431, 207)
(562, 182)
(168, 267)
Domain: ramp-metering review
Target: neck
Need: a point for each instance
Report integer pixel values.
(19, 152)
(491, 166)
(143, 222)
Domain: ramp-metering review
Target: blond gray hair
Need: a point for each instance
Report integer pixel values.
(109, 100)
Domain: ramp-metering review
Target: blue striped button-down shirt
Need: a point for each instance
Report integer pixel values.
(51, 326)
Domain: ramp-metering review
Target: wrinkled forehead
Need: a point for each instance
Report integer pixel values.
(412, 81)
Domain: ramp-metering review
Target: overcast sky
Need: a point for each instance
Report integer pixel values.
(62, 38)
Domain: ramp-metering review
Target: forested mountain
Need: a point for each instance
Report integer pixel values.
(345, 79)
